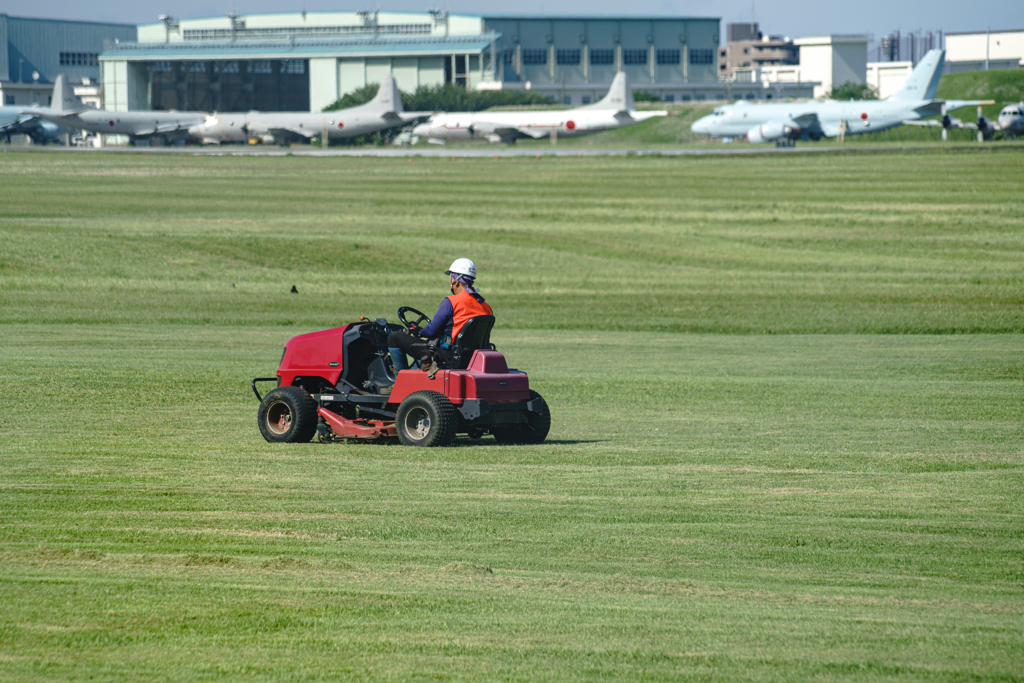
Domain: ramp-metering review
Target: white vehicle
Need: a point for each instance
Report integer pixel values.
(614, 111)
(785, 122)
(68, 110)
(383, 111)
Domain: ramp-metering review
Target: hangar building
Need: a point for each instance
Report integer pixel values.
(34, 51)
(303, 61)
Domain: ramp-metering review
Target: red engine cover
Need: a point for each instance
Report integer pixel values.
(487, 378)
(317, 354)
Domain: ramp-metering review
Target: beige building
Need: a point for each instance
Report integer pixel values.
(984, 49)
(833, 60)
(888, 77)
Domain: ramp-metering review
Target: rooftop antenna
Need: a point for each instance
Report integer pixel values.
(440, 15)
(169, 24)
(236, 22)
(370, 19)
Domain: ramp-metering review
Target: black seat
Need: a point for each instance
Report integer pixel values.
(475, 334)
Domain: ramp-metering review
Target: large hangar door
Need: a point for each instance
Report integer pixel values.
(231, 85)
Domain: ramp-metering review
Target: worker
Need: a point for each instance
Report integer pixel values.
(464, 303)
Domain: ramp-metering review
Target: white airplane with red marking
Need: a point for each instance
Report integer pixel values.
(614, 111)
(785, 122)
(383, 111)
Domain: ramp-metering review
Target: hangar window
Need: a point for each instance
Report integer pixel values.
(508, 56)
(634, 56)
(162, 67)
(602, 56)
(535, 56)
(293, 66)
(79, 59)
(260, 66)
(667, 56)
(702, 56)
(567, 56)
(225, 67)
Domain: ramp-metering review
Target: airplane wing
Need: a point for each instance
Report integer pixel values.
(409, 116)
(22, 119)
(507, 135)
(171, 127)
(809, 121)
(282, 132)
(535, 133)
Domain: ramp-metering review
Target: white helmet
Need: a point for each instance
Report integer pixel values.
(462, 266)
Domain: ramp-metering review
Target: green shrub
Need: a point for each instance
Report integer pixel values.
(446, 97)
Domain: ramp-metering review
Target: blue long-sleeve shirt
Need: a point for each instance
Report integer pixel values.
(441, 322)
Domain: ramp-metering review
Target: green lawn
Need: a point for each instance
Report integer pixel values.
(749, 476)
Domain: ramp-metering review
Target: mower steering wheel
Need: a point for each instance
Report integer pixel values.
(420, 317)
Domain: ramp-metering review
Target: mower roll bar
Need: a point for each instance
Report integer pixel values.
(262, 379)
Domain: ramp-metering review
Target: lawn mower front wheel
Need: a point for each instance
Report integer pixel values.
(287, 415)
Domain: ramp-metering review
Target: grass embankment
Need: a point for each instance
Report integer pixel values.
(710, 506)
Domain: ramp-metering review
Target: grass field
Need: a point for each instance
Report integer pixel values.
(788, 401)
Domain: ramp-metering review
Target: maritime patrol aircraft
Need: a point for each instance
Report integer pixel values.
(13, 121)
(67, 110)
(614, 111)
(786, 122)
(383, 111)
(1010, 122)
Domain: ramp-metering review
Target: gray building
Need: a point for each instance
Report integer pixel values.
(34, 51)
(305, 61)
(746, 47)
(574, 59)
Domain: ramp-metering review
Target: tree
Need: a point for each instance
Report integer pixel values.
(644, 96)
(445, 97)
(853, 91)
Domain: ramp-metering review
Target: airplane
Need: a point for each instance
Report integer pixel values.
(14, 122)
(383, 111)
(786, 122)
(68, 110)
(614, 111)
(1010, 122)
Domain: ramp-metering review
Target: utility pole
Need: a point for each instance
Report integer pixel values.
(988, 41)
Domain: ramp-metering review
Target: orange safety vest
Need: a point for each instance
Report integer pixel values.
(464, 307)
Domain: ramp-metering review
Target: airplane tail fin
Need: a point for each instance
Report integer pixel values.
(388, 98)
(619, 97)
(64, 100)
(923, 83)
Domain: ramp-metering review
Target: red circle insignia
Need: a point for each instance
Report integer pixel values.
(570, 125)
(111, 124)
(340, 125)
(864, 115)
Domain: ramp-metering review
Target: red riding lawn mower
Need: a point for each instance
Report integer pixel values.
(340, 384)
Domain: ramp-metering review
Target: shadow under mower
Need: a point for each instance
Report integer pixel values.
(340, 384)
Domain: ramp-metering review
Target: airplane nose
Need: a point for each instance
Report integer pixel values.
(700, 126)
(422, 130)
(196, 130)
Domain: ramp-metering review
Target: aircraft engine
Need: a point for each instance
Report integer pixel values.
(986, 130)
(770, 132)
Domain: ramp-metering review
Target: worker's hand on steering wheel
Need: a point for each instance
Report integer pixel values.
(413, 321)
